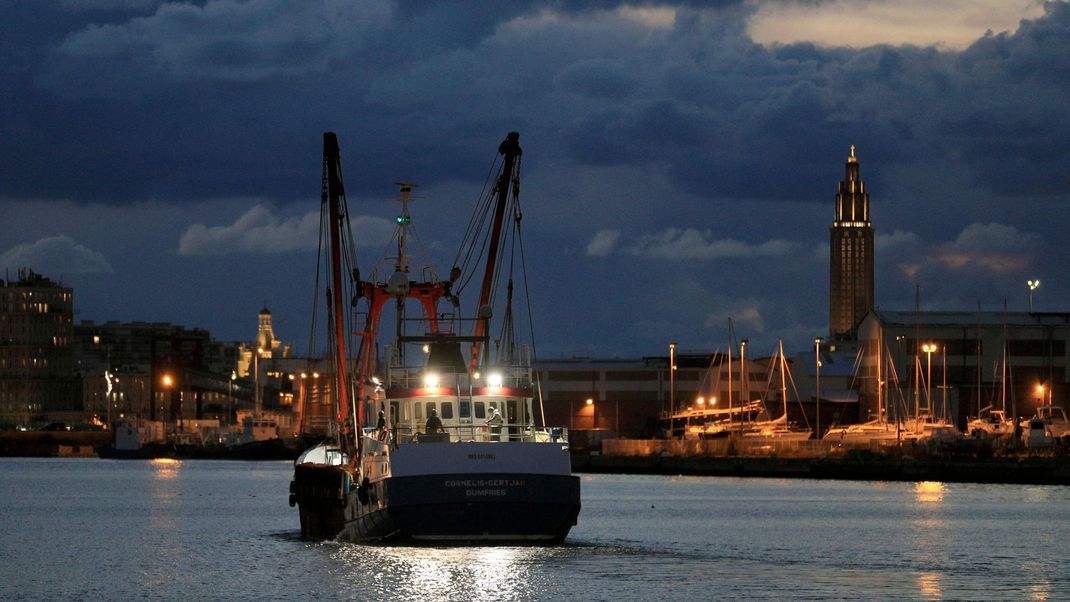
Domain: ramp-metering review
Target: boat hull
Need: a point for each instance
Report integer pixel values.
(460, 508)
(465, 508)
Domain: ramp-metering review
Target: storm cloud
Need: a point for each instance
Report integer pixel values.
(655, 134)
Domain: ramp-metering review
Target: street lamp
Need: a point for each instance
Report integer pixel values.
(929, 348)
(1033, 285)
(168, 383)
(1040, 395)
(256, 382)
(594, 421)
(817, 386)
(742, 373)
(230, 394)
(672, 381)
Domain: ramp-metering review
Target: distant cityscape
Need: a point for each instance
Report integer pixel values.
(90, 376)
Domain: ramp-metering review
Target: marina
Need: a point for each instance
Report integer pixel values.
(782, 316)
(181, 530)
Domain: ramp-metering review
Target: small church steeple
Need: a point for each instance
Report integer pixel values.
(265, 334)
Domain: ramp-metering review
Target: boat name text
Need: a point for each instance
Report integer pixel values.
(486, 483)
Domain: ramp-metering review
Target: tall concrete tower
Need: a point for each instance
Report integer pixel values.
(850, 256)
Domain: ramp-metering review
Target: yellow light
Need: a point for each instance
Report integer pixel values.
(304, 375)
(590, 401)
(427, 348)
(430, 380)
(929, 347)
(494, 379)
(475, 375)
(701, 401)
(167, 380)
(315, 375)
(713, 401)
(291, 377)
(96, 340)
(929, 491)
(1040, 389)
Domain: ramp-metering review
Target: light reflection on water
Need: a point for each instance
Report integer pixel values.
(929, 492)
(94, 529)
(466, 573)
(929, 586)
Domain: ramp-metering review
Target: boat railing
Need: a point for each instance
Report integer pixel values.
(509, 433)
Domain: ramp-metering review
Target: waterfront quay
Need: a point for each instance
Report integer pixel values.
(964, 461)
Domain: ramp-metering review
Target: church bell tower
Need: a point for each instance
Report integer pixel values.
(850, 256)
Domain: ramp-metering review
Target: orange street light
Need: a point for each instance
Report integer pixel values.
(168, 380)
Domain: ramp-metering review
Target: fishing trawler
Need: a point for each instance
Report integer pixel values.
(458, 452)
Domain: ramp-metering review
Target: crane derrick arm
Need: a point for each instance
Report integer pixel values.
(510, 151)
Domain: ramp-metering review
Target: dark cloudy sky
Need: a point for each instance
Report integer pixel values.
(680, 158)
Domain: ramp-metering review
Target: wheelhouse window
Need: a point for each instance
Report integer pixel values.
(464, 409)
(481, 410)
(418, 409)
(447, 410)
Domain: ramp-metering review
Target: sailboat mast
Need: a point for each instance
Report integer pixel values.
(880, 380)
(917, 360)
(783, 380)
(730, 371)
(335, 191)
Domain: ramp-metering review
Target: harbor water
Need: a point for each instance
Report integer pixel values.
(110, 529)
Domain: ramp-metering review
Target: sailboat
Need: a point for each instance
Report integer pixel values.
(457, 454)
(881, 428)
(778, 429)
(990, 421)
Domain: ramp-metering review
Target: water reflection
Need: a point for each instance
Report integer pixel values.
(483, 573)
(929, 585)
(164, 488)
(929, 492)
(165, 468)
(1040, 591)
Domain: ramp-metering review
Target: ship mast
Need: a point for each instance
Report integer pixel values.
(507, 181)
(336, 296)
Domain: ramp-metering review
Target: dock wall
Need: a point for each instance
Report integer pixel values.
(50, 444)
(814, 460)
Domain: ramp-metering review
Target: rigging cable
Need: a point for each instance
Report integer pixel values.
(531, 316)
